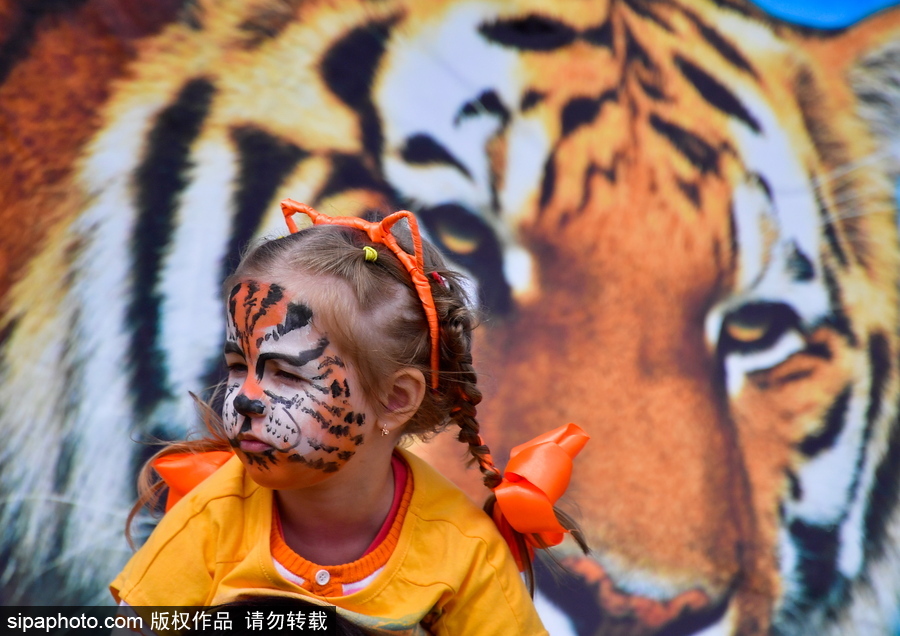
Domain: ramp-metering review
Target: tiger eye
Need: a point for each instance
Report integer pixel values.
(748, 331)
(456, 242)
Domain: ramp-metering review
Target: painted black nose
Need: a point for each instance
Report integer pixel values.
(248, 407)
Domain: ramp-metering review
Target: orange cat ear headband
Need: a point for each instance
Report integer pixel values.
(380, 232)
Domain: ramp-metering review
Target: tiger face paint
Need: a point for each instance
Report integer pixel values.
(291, 409)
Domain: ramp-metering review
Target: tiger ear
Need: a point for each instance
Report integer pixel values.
(867, 58)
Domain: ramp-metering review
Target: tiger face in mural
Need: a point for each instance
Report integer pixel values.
(680, 217)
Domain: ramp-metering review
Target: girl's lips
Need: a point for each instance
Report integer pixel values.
(253, 445)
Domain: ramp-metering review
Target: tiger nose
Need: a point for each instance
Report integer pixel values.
(248, 407)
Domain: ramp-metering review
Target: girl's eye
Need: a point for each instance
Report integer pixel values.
(287, 375)
(237, 367)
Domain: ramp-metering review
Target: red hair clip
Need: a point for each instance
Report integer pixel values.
(380, 232)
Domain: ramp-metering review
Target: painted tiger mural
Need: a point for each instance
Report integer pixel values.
(680, 217)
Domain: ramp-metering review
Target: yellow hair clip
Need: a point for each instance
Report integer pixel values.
(371, 253)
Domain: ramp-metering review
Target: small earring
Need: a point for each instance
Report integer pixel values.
(384, 430)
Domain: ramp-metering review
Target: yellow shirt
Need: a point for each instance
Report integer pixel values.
(450, 572)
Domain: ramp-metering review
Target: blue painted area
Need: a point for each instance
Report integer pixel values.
(824, 14)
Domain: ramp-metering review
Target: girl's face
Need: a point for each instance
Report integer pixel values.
(293, 409)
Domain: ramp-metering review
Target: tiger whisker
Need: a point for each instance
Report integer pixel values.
(858, 194)
(820, 181)
(834, 218)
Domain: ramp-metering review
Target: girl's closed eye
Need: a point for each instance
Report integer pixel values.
(288, 376)
(235, 366)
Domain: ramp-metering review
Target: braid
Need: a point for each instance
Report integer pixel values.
(459, 380)
(459, 396)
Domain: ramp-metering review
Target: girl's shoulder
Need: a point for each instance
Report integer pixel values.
(223, 494)
(217, 521)
(437, 499)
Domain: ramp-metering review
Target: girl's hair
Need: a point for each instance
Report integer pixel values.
(384, 329)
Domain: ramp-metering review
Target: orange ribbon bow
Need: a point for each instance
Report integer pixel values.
(380, 232)
(536, 476)
(182, 472)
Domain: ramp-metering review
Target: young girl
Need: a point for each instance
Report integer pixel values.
(340, 344)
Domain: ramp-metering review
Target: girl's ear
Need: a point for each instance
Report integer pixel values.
(404, 396)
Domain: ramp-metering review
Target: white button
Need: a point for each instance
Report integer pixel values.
(322, 577)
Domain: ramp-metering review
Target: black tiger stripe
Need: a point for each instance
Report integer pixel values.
(609, 174)
(265, 161)
(159, 180)
(192, 15)
(691, 191)
(324, 423)
(701, 155)
(642, 8)
(301, 359)
(582, 111)
(837, 317)
(8, 329)
(339, 431)
(833, 424)
(549, 180)
(65, 460)
(348, 69)
(799, 266)
(297, 316)
(600, 35)
(531, 33)
(273, 297)
(880, 369)
(828, 228)
(796, 488)
(819, 350)
(531, 99)
(880, 366)
(743, 8)
(543, 34)
(884, 497)
(317, 464)
(715, 93)
(488, 102)
(586, 189)
(569, 593)
(281, 400)
(350, 173)
(726, 49)
(733, 239)
(267, 21)
(424, 150)
(817, 554)
(636, 53)
(652, 88)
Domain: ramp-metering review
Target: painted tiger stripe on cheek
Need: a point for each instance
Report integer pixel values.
(310, 420)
